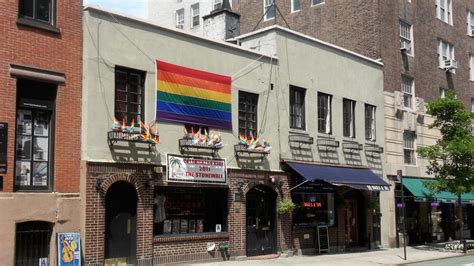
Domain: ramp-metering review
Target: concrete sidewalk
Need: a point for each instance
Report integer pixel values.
(371, 257)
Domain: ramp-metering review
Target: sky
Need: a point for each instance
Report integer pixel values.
(136, 8)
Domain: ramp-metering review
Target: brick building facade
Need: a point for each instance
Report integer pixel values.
(41, 77)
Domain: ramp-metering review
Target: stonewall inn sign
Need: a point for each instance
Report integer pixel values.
(196, 170)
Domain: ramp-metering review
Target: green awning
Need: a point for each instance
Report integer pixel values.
(421, 193)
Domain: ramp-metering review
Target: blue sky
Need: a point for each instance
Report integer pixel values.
(136, 8)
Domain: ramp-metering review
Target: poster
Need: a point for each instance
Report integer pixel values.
(69, 249)
(3, 147)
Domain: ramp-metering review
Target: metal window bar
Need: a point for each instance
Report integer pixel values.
(32, 242)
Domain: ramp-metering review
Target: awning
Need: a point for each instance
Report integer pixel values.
(421, 193)
(355, 177)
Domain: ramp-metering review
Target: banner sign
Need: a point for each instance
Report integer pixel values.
(196, 170)
(69, 249)
(191, 96)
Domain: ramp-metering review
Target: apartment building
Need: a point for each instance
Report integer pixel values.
(41, 77)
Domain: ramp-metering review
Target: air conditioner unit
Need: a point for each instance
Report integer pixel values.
(405, 47)
(180, 26)
(450, 64)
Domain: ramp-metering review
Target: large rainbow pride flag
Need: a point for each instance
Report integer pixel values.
(192, 96)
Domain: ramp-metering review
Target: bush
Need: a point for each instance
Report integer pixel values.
(457, 245)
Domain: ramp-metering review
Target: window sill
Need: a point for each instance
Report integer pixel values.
(36, 24)
(317, 5)
(190, 237)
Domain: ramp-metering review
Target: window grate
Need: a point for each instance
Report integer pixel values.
(32, 242)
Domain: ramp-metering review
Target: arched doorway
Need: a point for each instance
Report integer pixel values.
(120, 223)
(261, 221)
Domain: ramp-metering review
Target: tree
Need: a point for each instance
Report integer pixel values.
(451, 159)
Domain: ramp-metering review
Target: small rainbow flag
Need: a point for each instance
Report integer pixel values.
(192, 96)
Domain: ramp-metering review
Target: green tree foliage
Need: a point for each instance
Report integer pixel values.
(451, 158)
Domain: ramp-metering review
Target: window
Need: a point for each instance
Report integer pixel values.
(269, 9)
(471, 67)
(370, 122)
(295, 5)
(248, 103)
(324, 113)
(313, 209)
(34, 135)
(472, 105)
(129, 95)
(409, 147)
(348, 118)
(445, 52)
(470, 23)
(189, 210)
(407, 90)
(406, 37)
(195, 14)
(217, 4)
(38, 10)
(297, 107)
(180, 18)
(32, 242)
(316, 2)
(444, 10)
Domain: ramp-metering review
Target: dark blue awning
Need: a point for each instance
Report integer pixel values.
(358, 178)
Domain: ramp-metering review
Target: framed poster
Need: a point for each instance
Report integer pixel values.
(69, 249)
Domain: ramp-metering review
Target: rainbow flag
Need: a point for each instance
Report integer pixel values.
(191, 96)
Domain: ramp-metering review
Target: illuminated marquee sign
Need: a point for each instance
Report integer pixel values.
(196, 170)
(313, 204)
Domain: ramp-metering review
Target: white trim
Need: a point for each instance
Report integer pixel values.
(293, 7)
(277, 27)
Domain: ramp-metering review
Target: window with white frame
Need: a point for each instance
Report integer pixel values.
(445, 52)
(295, 5)
(472, 105)
(444, 10)
(470, 23)
(269, 9)
(348, 118)
(316, 2)
(409, 147)
(324, 113)
(407, 90)
(370, 122)
(217, 4)
(406, 37)
(471, 67)
(195, 15)
(297, 107)
(180, 18)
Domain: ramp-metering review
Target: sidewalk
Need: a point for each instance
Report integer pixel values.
(373, 257)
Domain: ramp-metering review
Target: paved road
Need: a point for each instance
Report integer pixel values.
(457, 261)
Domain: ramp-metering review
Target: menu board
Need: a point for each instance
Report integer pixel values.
(323, 238)
(3, 147)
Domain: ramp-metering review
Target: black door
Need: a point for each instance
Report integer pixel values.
(261, 233)
(120, 222)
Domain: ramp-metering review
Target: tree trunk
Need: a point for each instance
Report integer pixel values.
(461, 222)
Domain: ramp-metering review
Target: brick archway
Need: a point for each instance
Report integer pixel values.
(129, 178)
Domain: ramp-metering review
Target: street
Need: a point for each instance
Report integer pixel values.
(463, 260)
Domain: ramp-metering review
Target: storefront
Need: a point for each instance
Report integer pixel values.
(339, 198)
(432, 217)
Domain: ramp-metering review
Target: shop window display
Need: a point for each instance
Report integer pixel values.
(190, 211)
(313, 209)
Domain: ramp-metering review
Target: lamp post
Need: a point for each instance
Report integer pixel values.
(400, 177)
